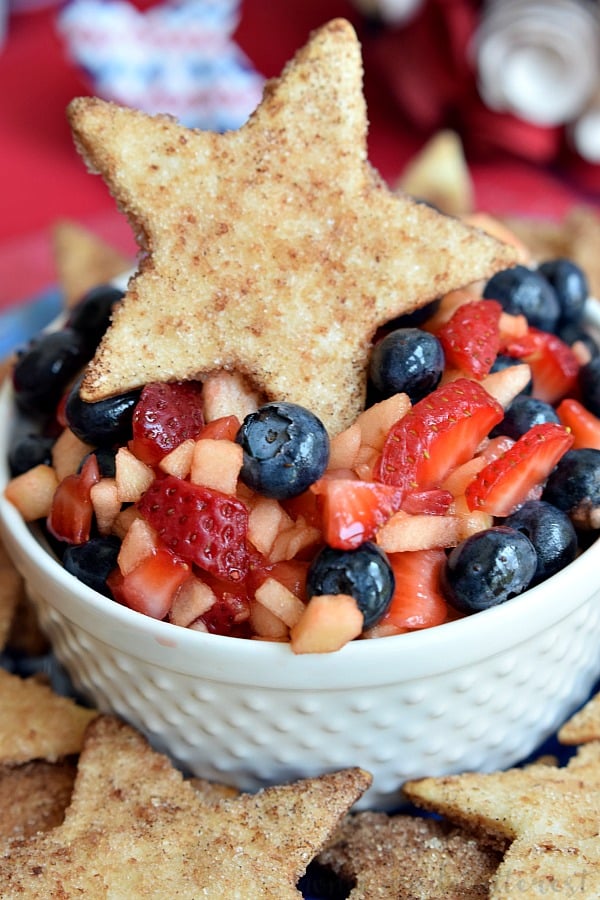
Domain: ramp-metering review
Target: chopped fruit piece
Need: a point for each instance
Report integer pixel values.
(266, 625)
(506, 384)
(138, 543)
(294, 540)
(353, 510)
(328, 622)
(227, 394)
(32, 492)
(193, 599)
(200, 525)
(179, 461)
(417, 601)
(471, 337)
(421, 532)
(151, 587)
(223, 429)
(449, 303)
(506, 482)
(230, 613)
(583, 425)
(554, 366)
(434, 502)
(267, 519)
(439, 433)
(282, 603)
(376, 421)
(344, 447)
(106, 503)
(71, 514)
(67, 452)
(133, 476)
(216, 464)
(164, 417)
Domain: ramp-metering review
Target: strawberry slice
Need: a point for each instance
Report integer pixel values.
(583, 425)
(439, 433)
(417, 601)
(505, 483)
(71, 513)
(164, 417)
(554, 366)
(352, 510)
(471, 337)
(434, 502)
(200, 525)
(151, 586)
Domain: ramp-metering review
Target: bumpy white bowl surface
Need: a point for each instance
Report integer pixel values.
(479, 693)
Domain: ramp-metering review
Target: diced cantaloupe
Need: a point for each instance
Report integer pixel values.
(192, 600)
(275, 597)
(179, 461)
(32, 492)
(138, 543)
(133, 476)
(216, 464)
(266, 520)
(228, 394)
(418, 532)
(106, 503)
(67, 452)
(328, 622)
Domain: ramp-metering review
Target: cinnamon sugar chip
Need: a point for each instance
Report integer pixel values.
(407, 857)
(34, 797)
(83, 260)
(547, 815)
(584, 725)
(136, 828)
(276, 250)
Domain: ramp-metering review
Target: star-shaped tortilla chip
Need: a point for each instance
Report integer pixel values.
(584, 725)
(551, 814)
(275, 250)
(136, 828)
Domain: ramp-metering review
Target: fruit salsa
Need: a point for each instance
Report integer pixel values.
(472, 474)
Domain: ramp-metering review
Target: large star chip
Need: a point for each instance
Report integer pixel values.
(135, 828)
(275, 250)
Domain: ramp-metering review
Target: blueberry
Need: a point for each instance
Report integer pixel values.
(286, 449)
(522, 414)
(364, 573)
(29, 451)
(523, 291)
(570, 285)
(551, 532)
(488, 568)
(504, 362)
(44, 369)
(103, 423)
(574, 486)
(407, 360)
(589, 382)
(90, 317)
(93, 561)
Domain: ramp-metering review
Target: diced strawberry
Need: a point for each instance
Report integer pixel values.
(353, 510)
(164, 417)
(223, 429)
(554, 366)
(230, 613)
(471, 337)
(201, 525)
(439, 433)
(150, 587)
(71, 514)
(505, 483)
(583, 425)
(434, 502)
(417, 601)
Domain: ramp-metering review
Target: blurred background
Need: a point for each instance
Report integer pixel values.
(520, 91)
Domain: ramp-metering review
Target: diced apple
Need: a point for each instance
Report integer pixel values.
(275, 597)
(138, 543)
(67, 452)
(328, 622)
(133, 476)
(376, 421)
(124, 521)
(344, 447)
(193, 599)
(506, 384)
(179, 461)
(107, 505)
(228, 394)
(32, 492)
(266, 625)
(418, 532)
(266, 520)
(292, 541)
(216, 464)
(448, 304)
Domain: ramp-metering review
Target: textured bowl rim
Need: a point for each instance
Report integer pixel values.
(409, 656)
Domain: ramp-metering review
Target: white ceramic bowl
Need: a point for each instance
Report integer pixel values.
(478, 693)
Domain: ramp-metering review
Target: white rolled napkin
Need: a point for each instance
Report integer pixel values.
(538, 60)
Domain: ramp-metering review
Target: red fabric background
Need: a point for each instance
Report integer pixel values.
(43, 179)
